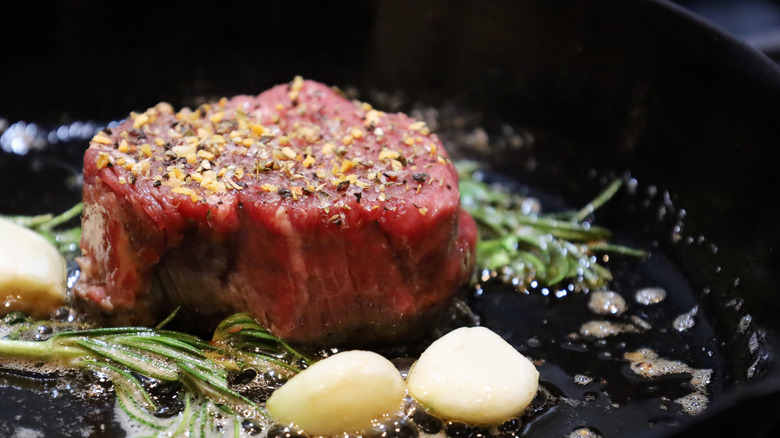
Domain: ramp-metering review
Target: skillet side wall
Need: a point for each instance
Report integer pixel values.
(651, 93)
(620, 86)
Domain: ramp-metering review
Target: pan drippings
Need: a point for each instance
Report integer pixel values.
(613, 362)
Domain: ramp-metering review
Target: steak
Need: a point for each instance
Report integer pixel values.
(325, 219)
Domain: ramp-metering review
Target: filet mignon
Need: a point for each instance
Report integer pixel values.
(327, 220)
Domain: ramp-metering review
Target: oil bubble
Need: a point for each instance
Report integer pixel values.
(606, 303)
(604, 329)
(582, 379)
(584, 432)
(649, 295)
(693, 403)
(686, 320)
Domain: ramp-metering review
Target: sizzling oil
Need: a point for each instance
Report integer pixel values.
(591, 347)
(588, 386)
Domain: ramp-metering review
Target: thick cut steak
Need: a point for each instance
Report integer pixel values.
(327, 220)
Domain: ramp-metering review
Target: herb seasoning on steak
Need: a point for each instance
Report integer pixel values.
(325, 219)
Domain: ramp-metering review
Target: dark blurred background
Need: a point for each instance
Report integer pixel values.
(756, 22)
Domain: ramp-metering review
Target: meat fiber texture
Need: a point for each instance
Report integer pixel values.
(325, 219)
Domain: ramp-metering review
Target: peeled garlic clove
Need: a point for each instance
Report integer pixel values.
(343, 393)
(473, 375)
(32, 272)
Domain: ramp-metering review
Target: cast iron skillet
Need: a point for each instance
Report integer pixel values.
(635, 89)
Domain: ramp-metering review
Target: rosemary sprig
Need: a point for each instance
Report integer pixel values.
(251, 341)
(65, 240)
(202, 368)
(527, 246)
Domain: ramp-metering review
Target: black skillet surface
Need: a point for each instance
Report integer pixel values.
(612, 88)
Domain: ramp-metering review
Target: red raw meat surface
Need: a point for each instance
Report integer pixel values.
(327, 220)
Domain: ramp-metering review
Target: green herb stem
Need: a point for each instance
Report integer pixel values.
(41, 351)
(64, 216)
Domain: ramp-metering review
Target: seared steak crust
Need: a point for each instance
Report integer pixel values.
(325, 219)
